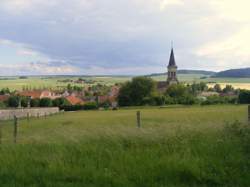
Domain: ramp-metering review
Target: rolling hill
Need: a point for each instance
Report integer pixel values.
(235, 73)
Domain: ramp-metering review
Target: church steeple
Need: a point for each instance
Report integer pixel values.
(172, 59)
(172, 69)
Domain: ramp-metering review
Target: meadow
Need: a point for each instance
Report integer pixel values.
(55, 82)
(176, 146)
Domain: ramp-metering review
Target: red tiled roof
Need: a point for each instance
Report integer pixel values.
(32, 94)
(74, 100)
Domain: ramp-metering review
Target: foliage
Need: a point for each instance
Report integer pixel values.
(176, 146)
(211, 100)
(90, 106)
(2, 104)
(59, 102)
(46, 102)
(4, 91)
(217, 88)
(195, 88)
(244, 97)
(132, 93)
(177, 90)
(228, 89)
(13, 101)
(35, 102)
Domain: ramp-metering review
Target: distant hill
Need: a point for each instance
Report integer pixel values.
(235, 73)
(203, 72)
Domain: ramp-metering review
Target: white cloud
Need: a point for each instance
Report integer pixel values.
(166, 3)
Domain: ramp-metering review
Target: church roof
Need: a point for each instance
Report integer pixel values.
(172, 59)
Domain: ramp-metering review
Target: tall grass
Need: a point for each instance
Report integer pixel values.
(167, 151)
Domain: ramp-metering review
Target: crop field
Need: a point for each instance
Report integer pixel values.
(56, 82)
(175, 146)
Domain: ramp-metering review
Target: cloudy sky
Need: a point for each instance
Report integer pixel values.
(122, 36)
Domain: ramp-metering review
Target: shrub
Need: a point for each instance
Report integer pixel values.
(90, 106)
(35, 102)
(46, 102)
(244, 97)
(13, 101)
(2, 104)
(59, 102)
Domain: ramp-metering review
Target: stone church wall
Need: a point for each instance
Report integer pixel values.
(32, 112)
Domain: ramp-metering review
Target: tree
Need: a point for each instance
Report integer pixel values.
(228, 88)
(46, 102)
(132, 93)
(35, 102)
(244, 97)
(177, 90)
(217, 88)
(13, 101)
(59, 102)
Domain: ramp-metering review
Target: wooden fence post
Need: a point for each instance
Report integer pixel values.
(28, 116)
(248, 114)
(138, 115)
(15, 128)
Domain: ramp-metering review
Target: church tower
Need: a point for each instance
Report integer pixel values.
(172, 70)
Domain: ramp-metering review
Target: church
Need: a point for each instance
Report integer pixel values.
(171, 76)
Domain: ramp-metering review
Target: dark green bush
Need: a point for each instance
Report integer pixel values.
(46, 102)
(13, 101)
(35, 102)
(90, 106)
(244, 97)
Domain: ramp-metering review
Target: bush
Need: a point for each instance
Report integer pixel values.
(24, 101)
(176, 90)
(71, 107)
(90, 106)
(187, 99)
(59, 102)
(244, 97)
(2, 104)
(46, 102)
(35, 102)
(211, 100)
(13, 101)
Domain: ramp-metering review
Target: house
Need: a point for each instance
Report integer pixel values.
(73, 100)
(39, 94)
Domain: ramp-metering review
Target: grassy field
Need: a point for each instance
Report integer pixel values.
(14, 83)
(176, 146)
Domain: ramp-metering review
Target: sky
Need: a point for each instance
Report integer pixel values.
(128, 37)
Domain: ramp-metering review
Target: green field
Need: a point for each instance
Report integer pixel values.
(14, 83)
(176, 146)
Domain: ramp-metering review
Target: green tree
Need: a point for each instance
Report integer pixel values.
(132, 93)
(228, 88)
(177, 90)
(244, 97)
(13, 101)
(35, 102)
(46, 102)
(59, 102)
(217, 88)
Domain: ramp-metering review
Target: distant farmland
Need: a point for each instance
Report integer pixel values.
(56, 82)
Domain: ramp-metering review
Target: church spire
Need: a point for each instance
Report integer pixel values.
(172, 59)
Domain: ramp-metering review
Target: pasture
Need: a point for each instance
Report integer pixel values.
(56, 82)
(176, 146)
